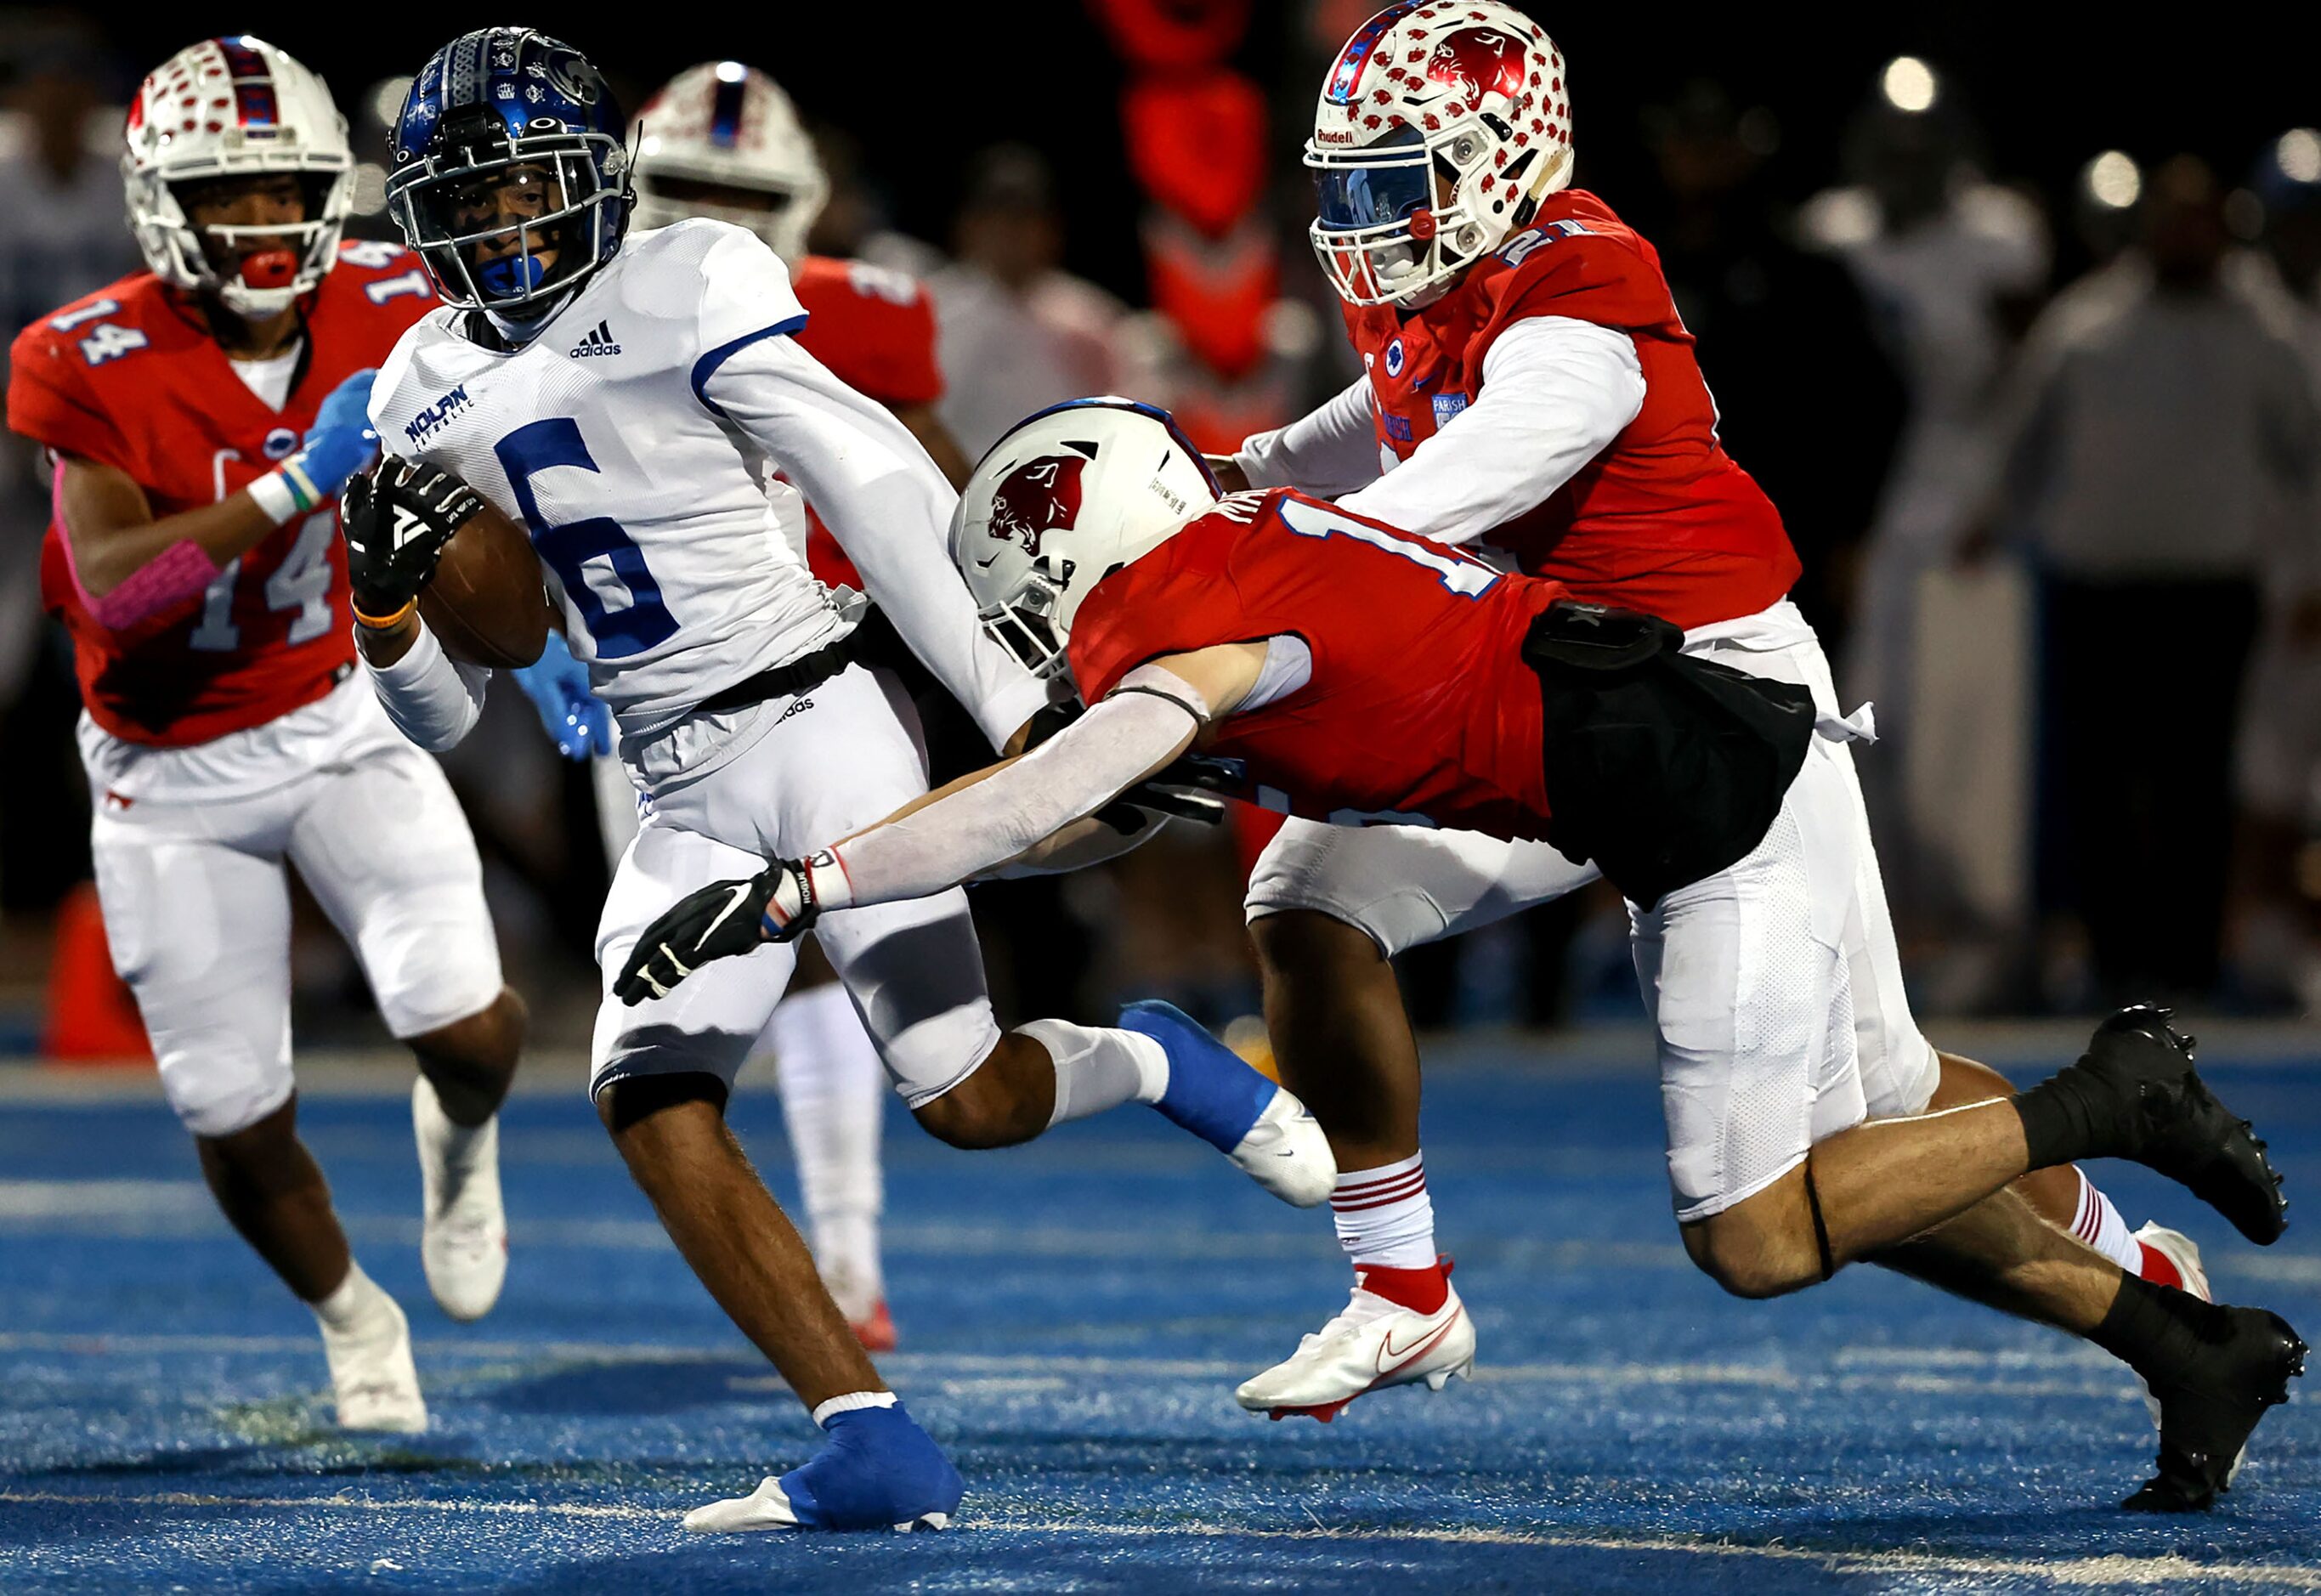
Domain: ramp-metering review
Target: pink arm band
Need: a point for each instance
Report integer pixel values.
(170, 577)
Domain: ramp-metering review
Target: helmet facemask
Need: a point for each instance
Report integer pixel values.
(510, 226)
(1028, 622)
(1397, 220)
(211, 259)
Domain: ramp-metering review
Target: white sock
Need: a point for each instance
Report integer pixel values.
(834, 1099)
(2098, 1224)
(1384, 1216)
(854, 1402)
(1098, 1068)
(358, 1300)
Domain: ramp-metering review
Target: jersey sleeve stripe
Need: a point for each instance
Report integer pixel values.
(706, 366)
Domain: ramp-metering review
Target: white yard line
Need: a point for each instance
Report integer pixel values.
(2164, 1571)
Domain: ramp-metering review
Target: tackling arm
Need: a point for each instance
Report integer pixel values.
(1555, 393)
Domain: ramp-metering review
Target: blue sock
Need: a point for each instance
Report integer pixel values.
(1211, 1092)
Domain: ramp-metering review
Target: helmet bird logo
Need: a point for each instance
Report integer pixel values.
(1477, 62)
(1035, 498)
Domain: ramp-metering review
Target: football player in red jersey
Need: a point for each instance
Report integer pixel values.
(203, 417)
(1361, 672)
(1529, 389)
(722, 140)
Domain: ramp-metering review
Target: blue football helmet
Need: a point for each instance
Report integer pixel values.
(511, 175)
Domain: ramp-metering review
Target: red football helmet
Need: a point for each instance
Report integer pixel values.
(1440, 129)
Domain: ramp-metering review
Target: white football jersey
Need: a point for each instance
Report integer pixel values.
(647, 505)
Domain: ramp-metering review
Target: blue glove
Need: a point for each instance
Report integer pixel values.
(557, 685)
(339, 444)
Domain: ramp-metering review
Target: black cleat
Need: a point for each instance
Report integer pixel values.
(2170, 1121)
(2249, 1357)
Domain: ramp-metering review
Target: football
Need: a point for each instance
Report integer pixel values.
(486, 603)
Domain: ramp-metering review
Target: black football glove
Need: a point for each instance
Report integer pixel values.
(719, 921)
(396, 517)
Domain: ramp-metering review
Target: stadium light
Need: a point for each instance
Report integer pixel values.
(2297, 154)
(2113, 180)
(1908, 83)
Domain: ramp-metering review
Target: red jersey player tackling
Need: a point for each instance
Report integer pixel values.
(1359, 669)
(201, 416)
(1528, 389)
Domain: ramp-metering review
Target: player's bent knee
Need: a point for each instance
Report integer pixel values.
(982, 1112)
(256, 1142)
(627, 1102)
(489, 1039)
(217, 1105)
(1761, 1247)
(1303, 942)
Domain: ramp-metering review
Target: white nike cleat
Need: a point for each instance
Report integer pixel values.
(1370, 1345)
(372, 1377)
(1286, 1152)
(2184, 1253)
(2182, 1250)
(463, 1242)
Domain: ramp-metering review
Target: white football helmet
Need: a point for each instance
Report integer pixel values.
(726, 125)
(1068, 497)
(223, 108)
(1440, 129)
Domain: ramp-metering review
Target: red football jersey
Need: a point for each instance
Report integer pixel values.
(875, 328)
(1662, 520)
(129, 377)
(1420, 705)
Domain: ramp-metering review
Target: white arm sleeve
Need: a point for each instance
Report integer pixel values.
(432, 698)
(1070, 776)
(1331, 451)
(888, 507)
(1555, 393)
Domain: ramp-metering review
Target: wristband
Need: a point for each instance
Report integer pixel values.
(276, 495)
(827, 881)
(294, 472)
(383, 623)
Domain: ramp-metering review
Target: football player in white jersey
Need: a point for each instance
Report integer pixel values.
(723, 141)
(627, 398)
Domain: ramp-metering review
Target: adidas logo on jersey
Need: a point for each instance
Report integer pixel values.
(599, 341)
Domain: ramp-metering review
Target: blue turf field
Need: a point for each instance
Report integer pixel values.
(1075, 1315)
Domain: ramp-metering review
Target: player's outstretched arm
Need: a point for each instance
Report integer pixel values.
(968, 828)
(890, 510)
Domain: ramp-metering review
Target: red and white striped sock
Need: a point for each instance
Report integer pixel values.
(1384, 1217)
(2098, 1224)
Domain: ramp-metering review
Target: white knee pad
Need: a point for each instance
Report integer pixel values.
(215, 1091)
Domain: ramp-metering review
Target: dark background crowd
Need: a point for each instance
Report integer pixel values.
(2015, 316)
